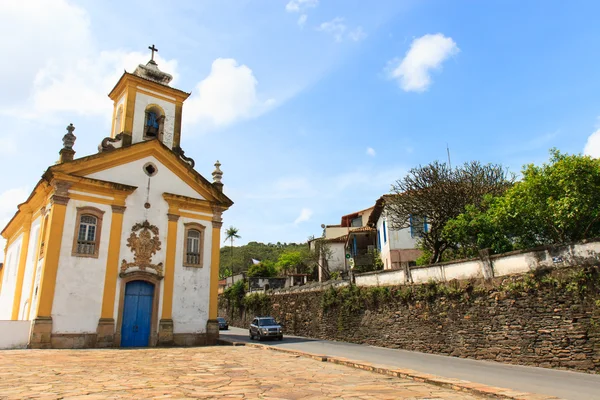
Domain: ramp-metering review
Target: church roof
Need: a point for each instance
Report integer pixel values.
(128, 75)
(75, 171)
(100, 161)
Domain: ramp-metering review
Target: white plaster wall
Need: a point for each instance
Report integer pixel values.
(142, 101)
(465, 270)
(587, 250)
(15, 334)
(336, 261)
(385, 246)
(511, 264)
(192, 285)
(388, 278)
(36, 285)
(30, 266)
(80, 280)
(423, 275)
(133, 174)
(9, 278)
(164, 181)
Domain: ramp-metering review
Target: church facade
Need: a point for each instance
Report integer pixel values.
(120, 248)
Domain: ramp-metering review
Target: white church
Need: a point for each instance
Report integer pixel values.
(120, 248)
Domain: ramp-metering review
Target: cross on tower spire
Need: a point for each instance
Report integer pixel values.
(153, 49)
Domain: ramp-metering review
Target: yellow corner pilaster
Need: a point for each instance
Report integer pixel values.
(112, 262)
(214, 270)
(129, 109)
(56, 223)
(169, 280)
(21, 267)
(42, 232)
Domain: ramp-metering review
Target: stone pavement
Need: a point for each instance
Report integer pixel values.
(203, 372)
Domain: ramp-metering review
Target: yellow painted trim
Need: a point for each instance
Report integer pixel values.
(15, 236)
(112, 265)
(177, 124)
(169, 280)
(214, 272)
(149, 148)
(35, 264)
(194, 216)
(92, 199)
(129, 109)
(177, 202)
(157, 96)
(56, 223)
(128, 80)
(114, 119)
(21, 268)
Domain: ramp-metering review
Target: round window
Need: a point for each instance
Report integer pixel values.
(150, 169)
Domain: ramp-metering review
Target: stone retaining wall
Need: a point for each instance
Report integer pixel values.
(548, 319)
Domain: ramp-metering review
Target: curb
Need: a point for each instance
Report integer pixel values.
(449, 383)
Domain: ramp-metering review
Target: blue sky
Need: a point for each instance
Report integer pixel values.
(313, 107)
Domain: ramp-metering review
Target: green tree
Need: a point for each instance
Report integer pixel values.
(478, 228)
(264, 269)
(230, 234)
(554, 203)
(298, 261)
(440, 193)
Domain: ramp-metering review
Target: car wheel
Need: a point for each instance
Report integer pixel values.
(259, 338)
(280, 338)
(251, 336)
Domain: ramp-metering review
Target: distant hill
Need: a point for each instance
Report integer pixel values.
(243, 255)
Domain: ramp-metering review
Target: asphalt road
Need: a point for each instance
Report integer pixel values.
(563, 384)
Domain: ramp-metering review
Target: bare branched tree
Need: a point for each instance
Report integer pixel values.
(438, 193)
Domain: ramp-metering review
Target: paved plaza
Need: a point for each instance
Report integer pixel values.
(222, 372)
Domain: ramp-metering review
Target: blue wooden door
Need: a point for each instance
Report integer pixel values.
(137, 314)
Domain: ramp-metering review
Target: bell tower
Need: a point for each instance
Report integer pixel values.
(146, 107)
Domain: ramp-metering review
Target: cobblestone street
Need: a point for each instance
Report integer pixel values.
(223, 372)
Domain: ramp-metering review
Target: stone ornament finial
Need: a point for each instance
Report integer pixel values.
(69, 138)
(217, 173)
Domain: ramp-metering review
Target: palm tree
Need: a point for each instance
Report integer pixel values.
(230, 234)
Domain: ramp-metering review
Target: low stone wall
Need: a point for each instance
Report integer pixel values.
(582, 253)
(547, 318)
(14, 334)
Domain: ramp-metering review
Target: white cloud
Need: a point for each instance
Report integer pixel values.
(592, 146)
(371, 151)
(61, 69)
(9, 200)
(300, 5)
(336, 27)
(357, 34)
(305, 215)
(426, 53)
(226, 95)
(302, 20)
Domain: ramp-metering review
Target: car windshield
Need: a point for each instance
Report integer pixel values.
(220, 319)
(266, 322)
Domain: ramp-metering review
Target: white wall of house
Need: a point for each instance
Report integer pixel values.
(395, 239)
(9, 278)
(80, 280)
(187, 280)
(142, 101)
(30, 267)
(15, 334)
(192, 284)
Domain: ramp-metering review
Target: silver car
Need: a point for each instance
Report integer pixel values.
(265, 327)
